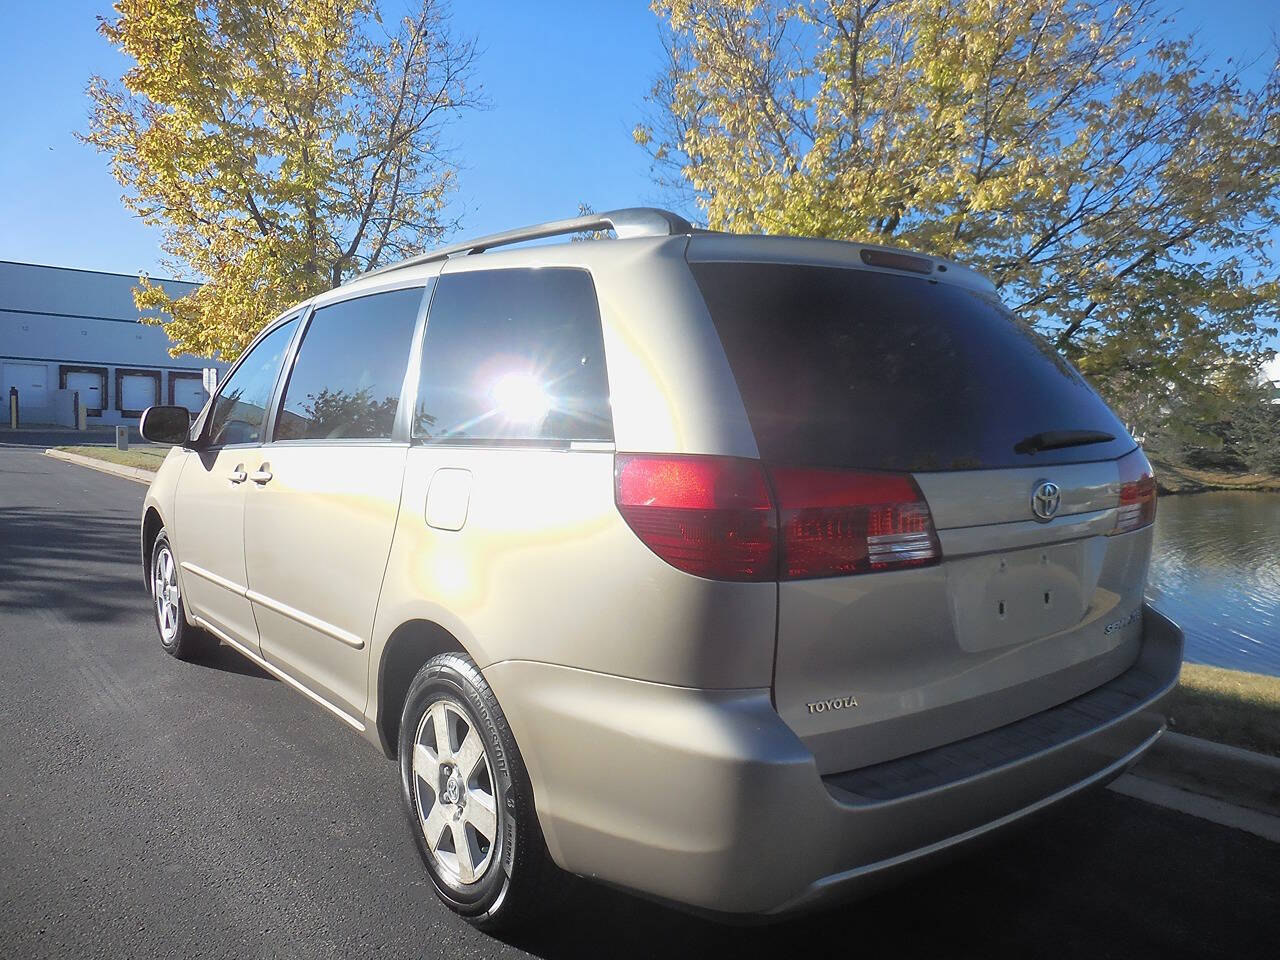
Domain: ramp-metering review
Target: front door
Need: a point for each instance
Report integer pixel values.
(209, 514)
(323, 496)
(208, 525)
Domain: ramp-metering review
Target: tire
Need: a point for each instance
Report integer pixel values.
(179, 638)
(454, 797)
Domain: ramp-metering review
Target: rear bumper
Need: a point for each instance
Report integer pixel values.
(706, 798)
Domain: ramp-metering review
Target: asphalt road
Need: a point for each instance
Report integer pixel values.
(153, 808)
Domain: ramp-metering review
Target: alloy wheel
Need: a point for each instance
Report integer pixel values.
(165, 590)
(454, 792)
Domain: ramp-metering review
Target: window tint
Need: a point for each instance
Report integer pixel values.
(514, 355)
(347, 378)
(853, 368)
(240, 408)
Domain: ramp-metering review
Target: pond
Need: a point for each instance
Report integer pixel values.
(1216, 572)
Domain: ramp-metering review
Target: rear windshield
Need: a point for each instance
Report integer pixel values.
(853, 368)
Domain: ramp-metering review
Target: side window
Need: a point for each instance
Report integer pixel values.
(240, 408)
(513, 355)
(347, 378)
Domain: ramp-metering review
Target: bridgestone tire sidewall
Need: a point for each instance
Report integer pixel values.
(447, 676)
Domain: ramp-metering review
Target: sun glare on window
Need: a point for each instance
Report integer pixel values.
(520, 398)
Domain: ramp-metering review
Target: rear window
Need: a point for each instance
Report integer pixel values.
(853, 368)
(513, 356)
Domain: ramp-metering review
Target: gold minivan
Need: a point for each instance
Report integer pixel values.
(744, 572)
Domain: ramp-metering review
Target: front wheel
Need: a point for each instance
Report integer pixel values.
(468, 797)
(178, 637)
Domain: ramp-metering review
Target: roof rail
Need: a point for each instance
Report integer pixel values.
(628, 222)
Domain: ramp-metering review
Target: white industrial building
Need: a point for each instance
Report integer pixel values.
(67, 332)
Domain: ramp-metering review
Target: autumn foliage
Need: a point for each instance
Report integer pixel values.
(1123, 196)
(281, 145)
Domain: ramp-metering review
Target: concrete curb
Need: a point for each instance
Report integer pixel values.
(1241, 777)
(1198, 805)
(136, 474)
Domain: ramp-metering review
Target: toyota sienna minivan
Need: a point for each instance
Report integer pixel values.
(743, 572)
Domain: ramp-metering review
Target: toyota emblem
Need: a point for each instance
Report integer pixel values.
(1045, 500)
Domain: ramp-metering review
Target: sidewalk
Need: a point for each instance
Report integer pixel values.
(55, 436)
(1213, 781)
(137, 474)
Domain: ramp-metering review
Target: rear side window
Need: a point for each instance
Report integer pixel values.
(853, 368)
(240, 408)
(346, 381)
(513, 355)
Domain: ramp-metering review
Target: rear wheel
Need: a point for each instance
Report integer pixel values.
(178, 638)
(468, 798)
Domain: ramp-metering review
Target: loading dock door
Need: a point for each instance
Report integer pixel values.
(189, 392)
(137, 392)
(32, 381)
(90, 386)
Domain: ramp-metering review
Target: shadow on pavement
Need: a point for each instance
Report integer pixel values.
(1067, 885)
(38, 547)
(219, 656)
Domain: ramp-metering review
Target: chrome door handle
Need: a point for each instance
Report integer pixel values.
(237, 475)
(261, 475)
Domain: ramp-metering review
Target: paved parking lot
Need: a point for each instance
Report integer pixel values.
(157, 808)
(42, 437)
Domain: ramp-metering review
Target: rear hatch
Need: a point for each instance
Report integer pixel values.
(910, 426)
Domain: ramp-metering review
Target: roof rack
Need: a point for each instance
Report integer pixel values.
(628, 222)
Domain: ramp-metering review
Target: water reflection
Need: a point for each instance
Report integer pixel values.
(1216, 571)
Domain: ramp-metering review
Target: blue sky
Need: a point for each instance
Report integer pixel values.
(566, 80)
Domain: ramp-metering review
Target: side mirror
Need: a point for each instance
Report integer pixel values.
(165, 424)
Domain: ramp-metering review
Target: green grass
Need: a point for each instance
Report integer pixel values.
(1180, 478)
(148, 458)
(1242, 709)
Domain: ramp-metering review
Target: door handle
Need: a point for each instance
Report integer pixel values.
(261, 475)
(238, 475)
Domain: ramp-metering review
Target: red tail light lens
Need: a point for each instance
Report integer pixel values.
(1137, 494)
(839, 522)
(709, 516)
(715, 517)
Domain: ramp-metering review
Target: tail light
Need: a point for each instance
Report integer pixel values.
(717, 518)
(710, 516)
(840, 522)
(1137, 494)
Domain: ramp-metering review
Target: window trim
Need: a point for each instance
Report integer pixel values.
(399, 430)
(413, 374)
(498, 443)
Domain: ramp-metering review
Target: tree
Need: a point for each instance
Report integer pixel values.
(586, 210)
(1123, 197)
(281, 146)
(356, 413)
